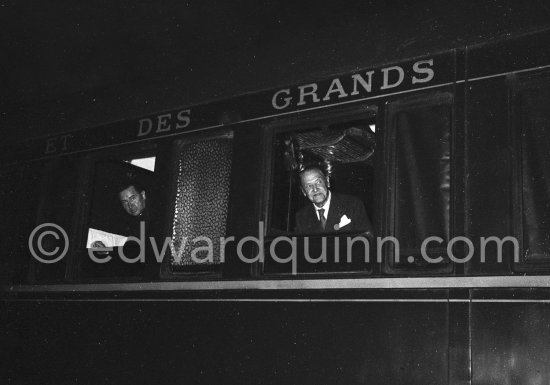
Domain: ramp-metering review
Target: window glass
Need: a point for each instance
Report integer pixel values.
(19, 200)
(420, 173)
(58, 204)
(535, 174)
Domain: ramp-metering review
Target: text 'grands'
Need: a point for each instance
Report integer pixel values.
(353, 85)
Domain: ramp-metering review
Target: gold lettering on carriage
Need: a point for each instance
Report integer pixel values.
(57, 144)
(164, 123)
(362, 83)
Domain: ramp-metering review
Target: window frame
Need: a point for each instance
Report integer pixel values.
(517, 84)
(392, 108)
(88, 169)
(300, 122)
(166, 272)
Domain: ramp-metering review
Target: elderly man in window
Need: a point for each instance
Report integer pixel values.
(328, 212)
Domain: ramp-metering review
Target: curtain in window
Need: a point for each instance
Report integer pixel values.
(422, 176)
(202, 200)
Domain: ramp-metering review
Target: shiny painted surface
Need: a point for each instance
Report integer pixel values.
(510, 343)
(128, 342)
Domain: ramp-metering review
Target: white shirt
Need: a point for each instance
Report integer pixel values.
(326, 206)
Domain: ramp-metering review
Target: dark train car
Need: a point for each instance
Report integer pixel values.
(165, 244)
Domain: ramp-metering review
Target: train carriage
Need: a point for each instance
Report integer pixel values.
(445, 146)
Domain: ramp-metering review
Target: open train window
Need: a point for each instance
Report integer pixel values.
(124, 218)
(532, 138)
(328, 166)
(200, 195)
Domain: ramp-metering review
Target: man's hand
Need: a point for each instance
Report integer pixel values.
(98, 244)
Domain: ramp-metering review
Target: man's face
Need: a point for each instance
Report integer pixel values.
(314, 186)
(133, 202)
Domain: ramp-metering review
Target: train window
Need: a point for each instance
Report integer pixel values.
(123, 224)
(57, 207)
(19, 201)
(419, 138)
(327, 166)
(201, 201)
(533, 138)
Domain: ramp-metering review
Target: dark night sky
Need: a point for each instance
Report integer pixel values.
(68, 65)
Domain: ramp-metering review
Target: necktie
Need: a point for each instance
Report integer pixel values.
(322, 217)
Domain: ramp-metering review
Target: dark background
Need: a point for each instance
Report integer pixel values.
(70, 65)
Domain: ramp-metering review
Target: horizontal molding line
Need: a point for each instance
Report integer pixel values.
(300, 284)
(511, 300)
(286, 300)
(505, 73)
(301, 300)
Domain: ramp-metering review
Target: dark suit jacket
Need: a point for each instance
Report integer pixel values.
(340, 204)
